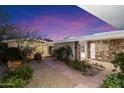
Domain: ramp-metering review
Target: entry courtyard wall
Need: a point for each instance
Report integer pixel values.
(106, 49)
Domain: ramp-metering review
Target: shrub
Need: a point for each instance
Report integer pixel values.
(3, 47)
(24, 72)
(13, 53)
(118, 61)
(13, 82)
(113, 81)
(63, 53)
(18, 77)
(76, 64)
(116, 80)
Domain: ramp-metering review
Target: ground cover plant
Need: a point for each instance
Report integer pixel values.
(17, 78)
(116, 79)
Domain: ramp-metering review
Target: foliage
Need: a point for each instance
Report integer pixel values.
(76, 64)
(118, 61)
(7, 29)
(27, 46)
(113, 81)
(13, 82)
(3, 47)
(63, 53)
(12, 53)
(24, 72)
(18, 77)
(116, 79)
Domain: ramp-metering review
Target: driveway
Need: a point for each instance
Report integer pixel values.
(46, 77)
(80, 80)
(55, 74)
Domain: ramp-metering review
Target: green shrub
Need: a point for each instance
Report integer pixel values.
(18, 77)
(116, 80)
(63, 53)
(13, 82)
(24, 72)
(113, 81)
(118, 61)
(76, 64)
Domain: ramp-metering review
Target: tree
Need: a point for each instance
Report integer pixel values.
(4, 17)
(7, 29)
(27, 41)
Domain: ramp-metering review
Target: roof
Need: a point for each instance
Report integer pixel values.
(43, 41)
(112, 14)
(98, 36)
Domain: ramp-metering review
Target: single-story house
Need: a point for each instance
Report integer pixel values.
(99, 46)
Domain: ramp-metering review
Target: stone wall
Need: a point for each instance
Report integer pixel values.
(42, 47)
(106, 49)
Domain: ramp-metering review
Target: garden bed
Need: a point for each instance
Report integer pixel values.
(92, 71)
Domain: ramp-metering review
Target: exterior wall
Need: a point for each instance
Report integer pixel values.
(42, 48)
(106, 49)
(71, 44)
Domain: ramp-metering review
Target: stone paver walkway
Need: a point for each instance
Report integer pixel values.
(75, 76)
(46, 77)
(54, 74)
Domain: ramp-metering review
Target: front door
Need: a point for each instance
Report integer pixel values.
(82, 49)
(92, 50)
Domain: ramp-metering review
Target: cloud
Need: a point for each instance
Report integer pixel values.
(58, 27)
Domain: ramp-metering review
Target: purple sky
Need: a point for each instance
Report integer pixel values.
(57, 22)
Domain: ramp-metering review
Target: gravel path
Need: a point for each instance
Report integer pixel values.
(46, 77)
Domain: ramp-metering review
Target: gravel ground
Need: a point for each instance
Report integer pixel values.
(46, 77)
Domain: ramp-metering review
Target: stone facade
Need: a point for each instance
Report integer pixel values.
(106, 49)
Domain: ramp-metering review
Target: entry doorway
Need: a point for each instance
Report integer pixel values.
(92, 51)
(82, 51)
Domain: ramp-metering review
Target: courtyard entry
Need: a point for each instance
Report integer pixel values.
(92, 51)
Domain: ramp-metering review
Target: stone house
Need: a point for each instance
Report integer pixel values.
(99, 46)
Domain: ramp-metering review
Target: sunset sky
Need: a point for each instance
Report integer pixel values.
(57, 22)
